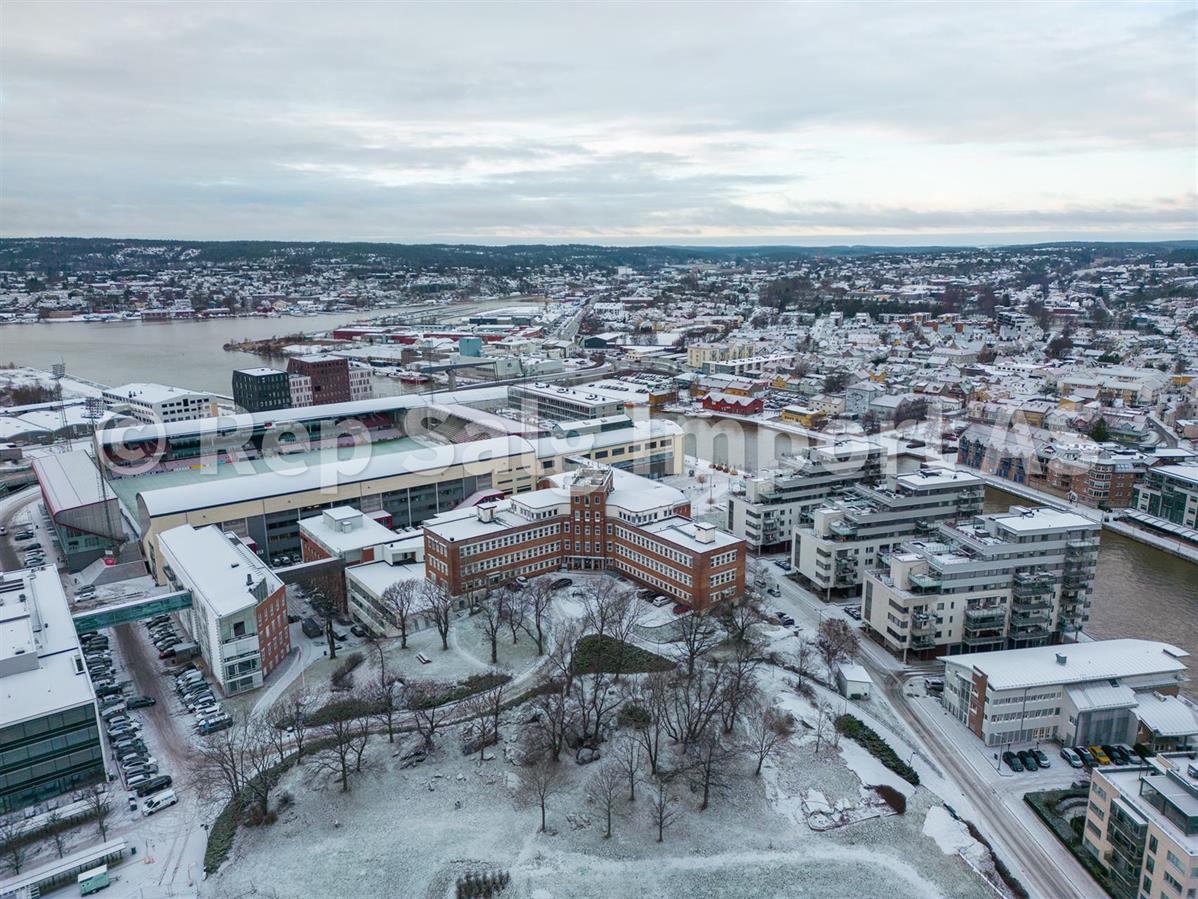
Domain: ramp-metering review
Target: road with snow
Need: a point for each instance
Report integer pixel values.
(1039, 860)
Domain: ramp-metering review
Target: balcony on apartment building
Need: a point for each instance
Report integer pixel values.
(928, 581)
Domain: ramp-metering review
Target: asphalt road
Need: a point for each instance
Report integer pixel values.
(1033, 853)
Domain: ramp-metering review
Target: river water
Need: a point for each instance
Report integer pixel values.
(1139, 591)
(182, 353)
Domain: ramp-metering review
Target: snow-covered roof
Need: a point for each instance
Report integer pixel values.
(376, 577)
(1014, 669)
(683, 532)
(1094, 697)
(151, 392)
(344, 529)
(68, 480)
(1167, 716)
(1043, 518)
(217, 568)
(315, 476)
(38, 647)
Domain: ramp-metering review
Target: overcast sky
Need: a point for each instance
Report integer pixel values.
(636, 123)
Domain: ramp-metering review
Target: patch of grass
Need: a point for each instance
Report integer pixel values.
(594, 654)
(224, 828)
(1045, 804)
(896, 800)
(858, 731)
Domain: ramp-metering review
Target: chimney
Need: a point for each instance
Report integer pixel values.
(1062, 659)
(249, 579)
(704, 533)
(486, 512)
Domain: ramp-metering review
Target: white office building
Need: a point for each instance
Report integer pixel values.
(151, 403)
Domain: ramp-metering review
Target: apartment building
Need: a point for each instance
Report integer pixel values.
(848, 534)
(238, 613)
(361, 385)
(594, 518)
(1005, 580)
(1169, 492)
(1142, 827)
(300, 387)
(261, 389)
(49, 736)
(329, 375)
(1082, 693)
(766, 514)
(155, 403)
(699, 354)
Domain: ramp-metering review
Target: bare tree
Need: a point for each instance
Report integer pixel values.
(625, 613)
(653, 698)
(477, 709)
(515, 610)
(692, 704)
(804, 659)
(555, 718)
(596, 700)
(768, 732)
(490, 619)
(99, 807)
(231, 762)
(605, 788)
(56, 829)
(740, 686)
(697, 636)
(12, 843)
(439, 606)
(539, 597)
(661, 809)
(628, 759)
(277, 731)
(384, 700)
(299, 706)
(740, 617)
(708, 763)
(561, 654)
(825, 725)
(603, 602)
(401, 599)
(342, 744)
(837, 641)
(538, 782)
(427, 714)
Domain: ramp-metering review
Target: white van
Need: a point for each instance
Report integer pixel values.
(158, 802)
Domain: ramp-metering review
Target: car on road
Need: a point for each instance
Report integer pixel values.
(681, 608)
(1072, 758)
(140, 702)
(357, 630)
(158, 802)
(1012, 761)
(1028, 759)
(1041, 757)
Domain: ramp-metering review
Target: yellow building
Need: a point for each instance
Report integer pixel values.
(801, 415)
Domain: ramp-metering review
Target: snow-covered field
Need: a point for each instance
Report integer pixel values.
(410, 832)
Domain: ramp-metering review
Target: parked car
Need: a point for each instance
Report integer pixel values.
(783, 564)
(311, 628)
(212, 726)
(140, 702)
(560, 583)
(1029, 759)
(154, 784)
(1133, 757)
(681, 608)
(158, 802)
(132, 803)
(1072, 758)
(1115, 754)
(1085, 755)
(1041, 757)
(1012, 761)
(1100, 757)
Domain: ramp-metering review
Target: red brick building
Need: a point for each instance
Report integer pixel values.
(591, 519)
(329, 374)
(733, 403)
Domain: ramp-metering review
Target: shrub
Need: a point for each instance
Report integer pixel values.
(856, 729)
(1045, 805)
(476, 683)
(343, 676)
(893, 797)
(1013, 884)
(594, 654)
(633, 714)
